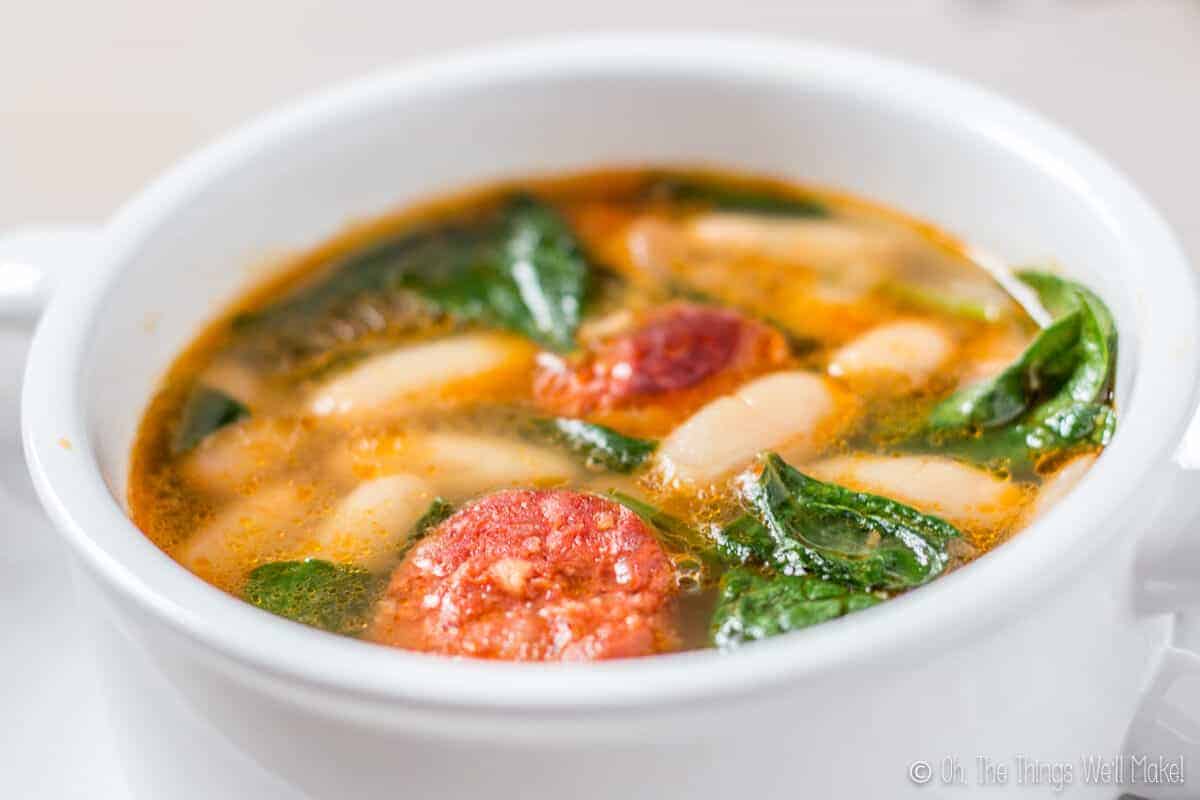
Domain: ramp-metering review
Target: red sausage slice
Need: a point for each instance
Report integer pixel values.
(529, 575)
(677, 350)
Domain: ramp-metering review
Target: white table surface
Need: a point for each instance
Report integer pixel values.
(97, 97)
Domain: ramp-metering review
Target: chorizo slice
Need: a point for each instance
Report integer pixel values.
(679, 357)
(529, 575)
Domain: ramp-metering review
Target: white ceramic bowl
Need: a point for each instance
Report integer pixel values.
(1046, 648)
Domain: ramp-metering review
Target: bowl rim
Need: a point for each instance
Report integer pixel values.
(958, 605)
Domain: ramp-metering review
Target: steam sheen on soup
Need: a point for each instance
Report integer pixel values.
(618, 414)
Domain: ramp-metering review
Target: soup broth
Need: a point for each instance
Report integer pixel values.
(617, 414)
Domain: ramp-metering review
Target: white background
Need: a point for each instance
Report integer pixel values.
(96, 97)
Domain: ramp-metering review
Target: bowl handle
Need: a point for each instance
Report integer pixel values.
(1165, 730)
(1167, 722)
(32, 263)
(35, 260)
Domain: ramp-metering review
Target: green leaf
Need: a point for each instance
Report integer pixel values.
(599, 445)
(438, 512)
(724, 197)
(676, 535)
(377, 270)
(745, 540)
(998, 401)
(1091, 379)
(679, 533)
(835, 533)
(1018, 447)
(518, 267)
(334, 597)
(205, 411)
(1053, 398)
(530, 276)
(751, 606)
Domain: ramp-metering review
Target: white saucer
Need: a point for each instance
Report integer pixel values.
(56, 742)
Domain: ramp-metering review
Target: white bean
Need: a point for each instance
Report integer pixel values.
(812, 243)
(963, 495)
(461, 465)
(240, 453)
(912, 350)
(419, 373)
(653, 246)
(265, 526)
(369, 524)
(795, 413)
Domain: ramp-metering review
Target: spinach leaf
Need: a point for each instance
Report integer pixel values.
(529, 276)
(724, 197)
(438, 512)
(745, 540)
(334, 597)
(303, 320)
(835, 533)
(751, 606)
(676, 535)
(1018, 448)
(205, 411)
(1091, 379)
(600, 445)
(1053, 398)
(518, 267)
(1000, 400)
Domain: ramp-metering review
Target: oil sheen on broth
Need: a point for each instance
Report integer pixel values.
(617, 414)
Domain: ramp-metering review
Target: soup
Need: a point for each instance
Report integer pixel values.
(618, 414)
